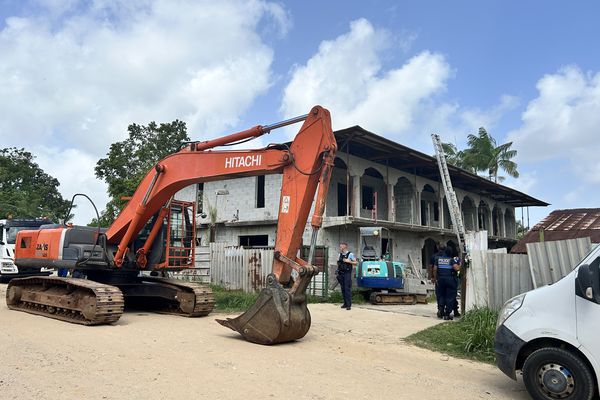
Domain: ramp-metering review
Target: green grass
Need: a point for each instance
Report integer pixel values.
(230, 301)
(471, 336)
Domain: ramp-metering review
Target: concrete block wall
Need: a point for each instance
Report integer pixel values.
(240, 202)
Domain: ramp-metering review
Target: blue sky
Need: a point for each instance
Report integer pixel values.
(74, 74)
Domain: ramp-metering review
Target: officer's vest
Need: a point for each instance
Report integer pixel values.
(344, 266)
(445, 263)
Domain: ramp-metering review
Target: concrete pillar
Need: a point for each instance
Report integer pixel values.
(390, 201)
(356, 196)
(490, 222)
(418, 208)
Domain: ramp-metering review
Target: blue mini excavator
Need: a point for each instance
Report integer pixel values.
(381, 278)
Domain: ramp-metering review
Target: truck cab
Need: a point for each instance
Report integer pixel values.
(551, 334)
(8, 234)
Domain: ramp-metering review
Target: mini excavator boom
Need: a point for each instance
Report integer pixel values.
(141, 238)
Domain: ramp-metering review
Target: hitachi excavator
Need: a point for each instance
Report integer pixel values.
(156, 233)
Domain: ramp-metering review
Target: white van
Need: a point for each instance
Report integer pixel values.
(8, 235)
(552, 334)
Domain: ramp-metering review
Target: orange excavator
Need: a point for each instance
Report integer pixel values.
(156, 233)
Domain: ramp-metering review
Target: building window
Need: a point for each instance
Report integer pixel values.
(436, 211)
(342, 199)
(367, 198)
(254, 240)
(200, 197)
(260, 191)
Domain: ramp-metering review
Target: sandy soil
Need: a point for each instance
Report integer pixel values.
(357, 354)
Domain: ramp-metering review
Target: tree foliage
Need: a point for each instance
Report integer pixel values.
(26, 191)
(483, 154)
(128, 161)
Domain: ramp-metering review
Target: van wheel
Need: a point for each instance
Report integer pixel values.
(553, 373)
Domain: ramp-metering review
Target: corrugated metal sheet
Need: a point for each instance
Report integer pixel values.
(496, 277)
(237, 268)
(550, 261)
(508, 276)
(477, 244)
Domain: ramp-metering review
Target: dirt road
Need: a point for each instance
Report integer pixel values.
(357, 354)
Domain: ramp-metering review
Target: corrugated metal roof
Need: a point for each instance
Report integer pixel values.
(564, 224)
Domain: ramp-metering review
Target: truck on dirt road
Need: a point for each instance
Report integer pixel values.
(552, 335)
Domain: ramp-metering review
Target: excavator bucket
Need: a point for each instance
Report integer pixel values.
(276, 317)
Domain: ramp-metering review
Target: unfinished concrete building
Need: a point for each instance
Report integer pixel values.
(375, 182)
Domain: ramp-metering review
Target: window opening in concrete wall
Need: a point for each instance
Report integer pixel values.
(436, 211)
(447, 217)
(200, 197)
(404, 196)
(496, 222)
(428, 251)
(254, 240)
(342, 199)
(373, 180)
(453, 246)
(484, 216)
(469, 214)
(429, 207)
(338, 200)
(260, 191)
(367, 197)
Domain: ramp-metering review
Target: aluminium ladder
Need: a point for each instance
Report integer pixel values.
(454, 208)
(455, 213)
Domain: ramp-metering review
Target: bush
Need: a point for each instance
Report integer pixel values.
(470, 337)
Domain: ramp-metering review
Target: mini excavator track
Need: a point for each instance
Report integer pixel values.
(73, 300)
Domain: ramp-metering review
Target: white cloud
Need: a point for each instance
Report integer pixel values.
(346, 76)
(563, 123)
(76, 75)
(404, 103)
(526, 182)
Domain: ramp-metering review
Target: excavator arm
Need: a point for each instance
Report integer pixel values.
(279, 314)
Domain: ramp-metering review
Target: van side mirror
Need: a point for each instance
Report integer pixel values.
(587, 284)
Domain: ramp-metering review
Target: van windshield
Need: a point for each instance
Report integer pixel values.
(592, 255)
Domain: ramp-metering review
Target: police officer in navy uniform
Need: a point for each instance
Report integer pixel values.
(440, 252)
(346, 261)
(445, 270)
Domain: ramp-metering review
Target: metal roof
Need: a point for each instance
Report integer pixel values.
(362, 143)
(563, 224)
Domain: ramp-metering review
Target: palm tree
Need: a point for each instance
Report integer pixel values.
(456, 157)
(484, 154)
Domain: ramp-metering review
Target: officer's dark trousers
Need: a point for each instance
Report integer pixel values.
(345, 281)
(447, 288)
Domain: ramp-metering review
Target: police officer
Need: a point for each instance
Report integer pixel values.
(440, 252)
(445, 270)
(346, 261)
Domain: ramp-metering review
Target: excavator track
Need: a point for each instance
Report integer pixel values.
(78, 301)
(187, 299)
